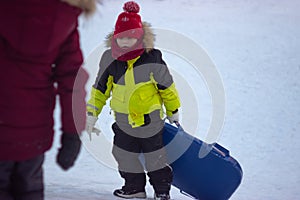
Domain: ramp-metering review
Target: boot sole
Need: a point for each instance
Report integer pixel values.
(139, 195)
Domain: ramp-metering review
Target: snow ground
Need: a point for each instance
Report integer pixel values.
(255, 46)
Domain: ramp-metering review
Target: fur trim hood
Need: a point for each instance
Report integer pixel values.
(148, 38)
(88, 6)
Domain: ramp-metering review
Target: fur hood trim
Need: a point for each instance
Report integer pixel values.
(148, 38)
(88, 6)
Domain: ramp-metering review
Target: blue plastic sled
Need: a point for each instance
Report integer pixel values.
(202, 171)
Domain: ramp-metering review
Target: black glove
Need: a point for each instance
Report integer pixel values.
(69, 150)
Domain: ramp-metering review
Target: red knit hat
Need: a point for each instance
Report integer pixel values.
(129, 23)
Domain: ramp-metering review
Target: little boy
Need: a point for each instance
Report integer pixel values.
(134, 74)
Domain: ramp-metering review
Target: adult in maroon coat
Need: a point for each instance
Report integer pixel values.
(40, 58)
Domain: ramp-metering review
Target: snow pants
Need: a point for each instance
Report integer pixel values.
(134, 154)
(22, 180)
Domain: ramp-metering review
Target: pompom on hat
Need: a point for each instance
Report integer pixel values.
(129, 23)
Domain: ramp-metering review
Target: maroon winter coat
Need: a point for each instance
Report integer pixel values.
(40, 57)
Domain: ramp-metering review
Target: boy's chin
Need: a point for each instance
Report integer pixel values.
(125, 47)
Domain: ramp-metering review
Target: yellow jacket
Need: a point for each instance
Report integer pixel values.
(136, 87)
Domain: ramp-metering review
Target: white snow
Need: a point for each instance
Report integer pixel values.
(255, 46)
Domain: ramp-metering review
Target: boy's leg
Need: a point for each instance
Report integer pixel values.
(126, 151)
(136, 181)
(28, 179)
(159, 172)
(161, 180)
(6, 168)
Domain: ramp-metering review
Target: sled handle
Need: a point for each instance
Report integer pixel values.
(178, 125)
(186, 194)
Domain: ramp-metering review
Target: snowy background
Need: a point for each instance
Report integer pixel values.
(256, 48)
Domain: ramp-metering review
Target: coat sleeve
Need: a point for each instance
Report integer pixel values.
(101, 89)
(71, 80)
(166, 86)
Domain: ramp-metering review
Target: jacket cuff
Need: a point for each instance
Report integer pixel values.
(170, 113)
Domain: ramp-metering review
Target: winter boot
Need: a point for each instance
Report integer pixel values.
(130, 193)
(163, 196)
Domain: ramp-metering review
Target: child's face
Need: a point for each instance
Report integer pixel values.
(126, 42)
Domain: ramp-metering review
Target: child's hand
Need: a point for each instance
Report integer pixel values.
(90, 126)
(174, 118)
